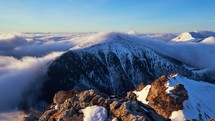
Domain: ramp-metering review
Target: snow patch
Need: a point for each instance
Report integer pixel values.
(177, 116)
(95, 113)
(141, 95)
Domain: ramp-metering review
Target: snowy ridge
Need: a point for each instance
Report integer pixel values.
(195, 36)
(200, 104)
(209, 40)
(112, 63)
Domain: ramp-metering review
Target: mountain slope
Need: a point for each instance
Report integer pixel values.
(112, 63)
(195, 36)
(209, 40)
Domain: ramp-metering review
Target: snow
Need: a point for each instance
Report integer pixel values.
(195, 36)
(201, 99)
(141, 95)
(95, 113)
(186, 36)
(209, 40)
(169, 88)
(177, 116)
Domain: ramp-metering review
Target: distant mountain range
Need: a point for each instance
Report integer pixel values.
(196, 36)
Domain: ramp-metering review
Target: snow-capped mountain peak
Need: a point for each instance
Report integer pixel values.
(101, 38)
(195, 36)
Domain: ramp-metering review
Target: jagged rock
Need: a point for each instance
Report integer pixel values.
(48, 115)
(61, 96)
(125, 109)
(32, 115)
(132, 111)
(165, 103)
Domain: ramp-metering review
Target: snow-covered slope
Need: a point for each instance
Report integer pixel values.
(201, 100)
(112, 63)
(209, 40)
(195, 36)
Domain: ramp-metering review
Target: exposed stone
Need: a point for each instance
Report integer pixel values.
(165, 103)
(48, 115)
(32, 115)
(125, 109)
(61, 96)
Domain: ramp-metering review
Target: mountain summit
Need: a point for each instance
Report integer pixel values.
(112, 63)
(195, 36)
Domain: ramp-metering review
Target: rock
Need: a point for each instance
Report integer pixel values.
(165, 103)
(61, 96)
(125, 109)
(131, 96)
(48, 115)
(32, 115)
(211, 119)
(132, 111)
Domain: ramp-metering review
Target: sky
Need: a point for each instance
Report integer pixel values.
(145, 16)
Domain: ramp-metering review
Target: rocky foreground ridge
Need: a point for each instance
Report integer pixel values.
(68, 105)
(159, 106)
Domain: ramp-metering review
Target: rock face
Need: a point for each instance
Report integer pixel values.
(114, 66)
(165, 103)
(125, 109)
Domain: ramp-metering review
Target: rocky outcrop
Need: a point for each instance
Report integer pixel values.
(125, 109)
(163, 102)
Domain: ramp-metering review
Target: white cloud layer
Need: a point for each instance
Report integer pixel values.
(16, 76)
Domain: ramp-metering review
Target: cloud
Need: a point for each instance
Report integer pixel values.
(17, 76)
(12, 116)
(195, 54)
(18, 45)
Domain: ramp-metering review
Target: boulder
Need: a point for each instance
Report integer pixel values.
(163, 102)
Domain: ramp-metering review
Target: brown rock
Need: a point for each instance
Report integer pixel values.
(61, 96)
(165, 103)
(126, 109)
(132, 111)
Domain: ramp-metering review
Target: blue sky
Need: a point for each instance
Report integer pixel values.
(147, 16)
